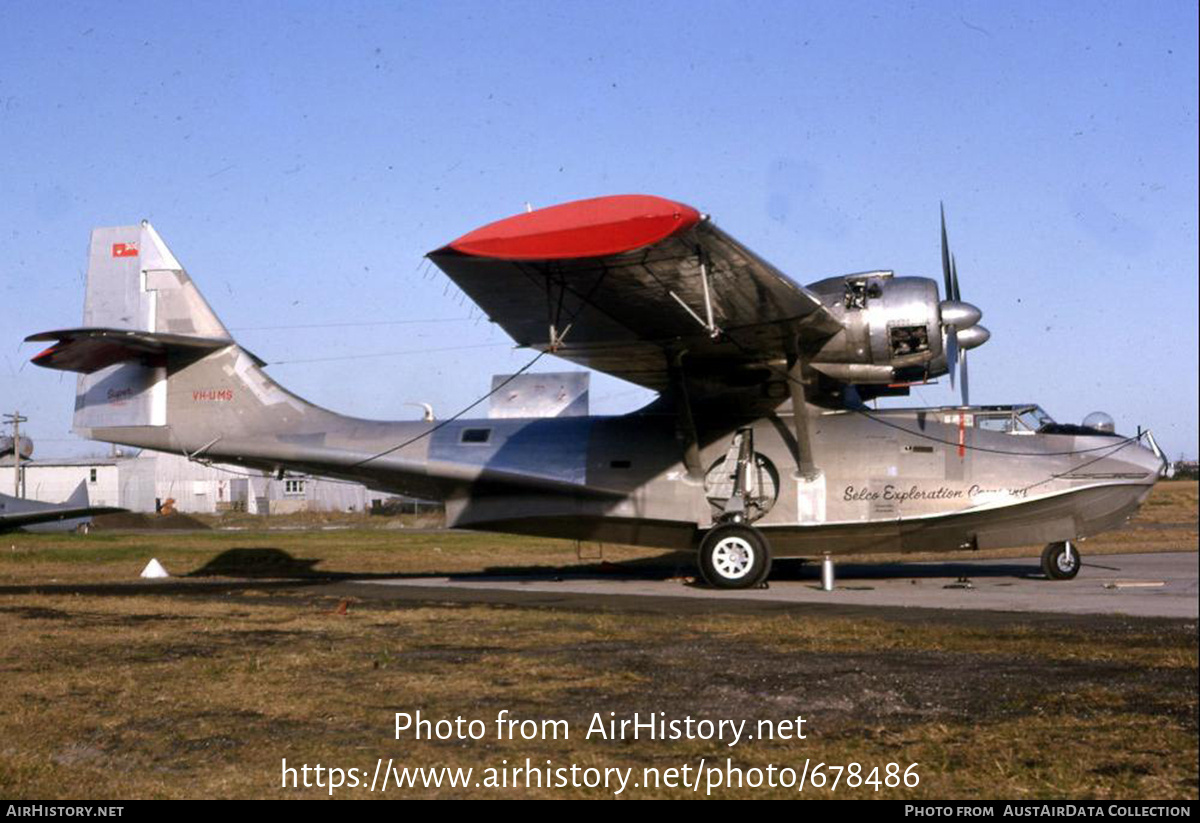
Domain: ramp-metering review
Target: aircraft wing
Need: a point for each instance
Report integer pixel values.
(625, 284)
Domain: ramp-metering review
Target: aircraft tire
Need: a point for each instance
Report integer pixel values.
(734, 557)
(1058, 564)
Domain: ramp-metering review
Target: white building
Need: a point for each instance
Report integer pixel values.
(54, 480)
(148, 480)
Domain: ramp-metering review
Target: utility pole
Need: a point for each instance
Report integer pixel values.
(15, 420)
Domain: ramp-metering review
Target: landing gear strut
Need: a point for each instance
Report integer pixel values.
(734, 556)
(1060, 561)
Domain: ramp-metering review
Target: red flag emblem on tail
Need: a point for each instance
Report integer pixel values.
(124, 250)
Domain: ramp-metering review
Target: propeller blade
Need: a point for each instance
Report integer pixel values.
(951, 353)
(966, 389)
(946, 255)
(953, 309)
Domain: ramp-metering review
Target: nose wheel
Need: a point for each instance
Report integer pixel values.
(734, 556)
(1060, 561)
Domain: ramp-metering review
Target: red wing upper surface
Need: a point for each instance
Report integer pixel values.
(622, 281)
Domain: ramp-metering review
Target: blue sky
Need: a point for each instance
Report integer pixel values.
(301, 158)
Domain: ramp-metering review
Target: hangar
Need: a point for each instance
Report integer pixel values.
(144, 481)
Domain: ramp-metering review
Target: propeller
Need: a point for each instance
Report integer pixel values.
(959, 348)
(960, 321)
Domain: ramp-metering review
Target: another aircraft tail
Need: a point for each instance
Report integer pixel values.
(157, 367)
(79, 497)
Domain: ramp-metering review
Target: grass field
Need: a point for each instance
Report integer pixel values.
(119, 688)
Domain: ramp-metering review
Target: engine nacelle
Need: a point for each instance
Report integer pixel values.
(893, 329)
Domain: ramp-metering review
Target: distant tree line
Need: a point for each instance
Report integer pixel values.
(1187, 470)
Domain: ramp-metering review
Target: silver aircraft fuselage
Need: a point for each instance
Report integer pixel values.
(907, 486)
(892, 480)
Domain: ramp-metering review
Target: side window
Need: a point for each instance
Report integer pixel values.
(476, 436)
(1002, 424)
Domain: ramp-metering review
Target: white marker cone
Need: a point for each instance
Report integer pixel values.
(155, 569)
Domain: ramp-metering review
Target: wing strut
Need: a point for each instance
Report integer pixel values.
(687, 423)
(708, 309)
(805, 467)
(554, 313)
(707, 321)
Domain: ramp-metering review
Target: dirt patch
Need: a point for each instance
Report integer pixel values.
(130, 521)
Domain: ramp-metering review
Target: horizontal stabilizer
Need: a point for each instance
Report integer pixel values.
(89, 350)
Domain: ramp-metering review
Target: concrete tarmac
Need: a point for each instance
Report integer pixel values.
(1138, 585)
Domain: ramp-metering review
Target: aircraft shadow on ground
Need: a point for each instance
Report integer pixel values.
(270, 563)
(268, 569)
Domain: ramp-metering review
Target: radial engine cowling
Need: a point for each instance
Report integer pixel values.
(896, 330)
(893, 328)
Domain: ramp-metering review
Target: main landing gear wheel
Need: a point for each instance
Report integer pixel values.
(734, 557)
(1060, 561)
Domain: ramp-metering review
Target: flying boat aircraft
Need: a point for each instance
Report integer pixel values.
(759, 444)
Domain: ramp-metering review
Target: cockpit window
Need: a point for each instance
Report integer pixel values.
(1035, 418)
(1016, 420)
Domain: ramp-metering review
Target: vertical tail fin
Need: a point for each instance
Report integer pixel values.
(153, 354)
(79, 497)
(134, 282)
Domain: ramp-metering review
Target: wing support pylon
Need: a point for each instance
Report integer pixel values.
(806, 468)
(685, 421)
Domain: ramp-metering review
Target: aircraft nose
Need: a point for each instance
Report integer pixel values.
(1142, 454)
